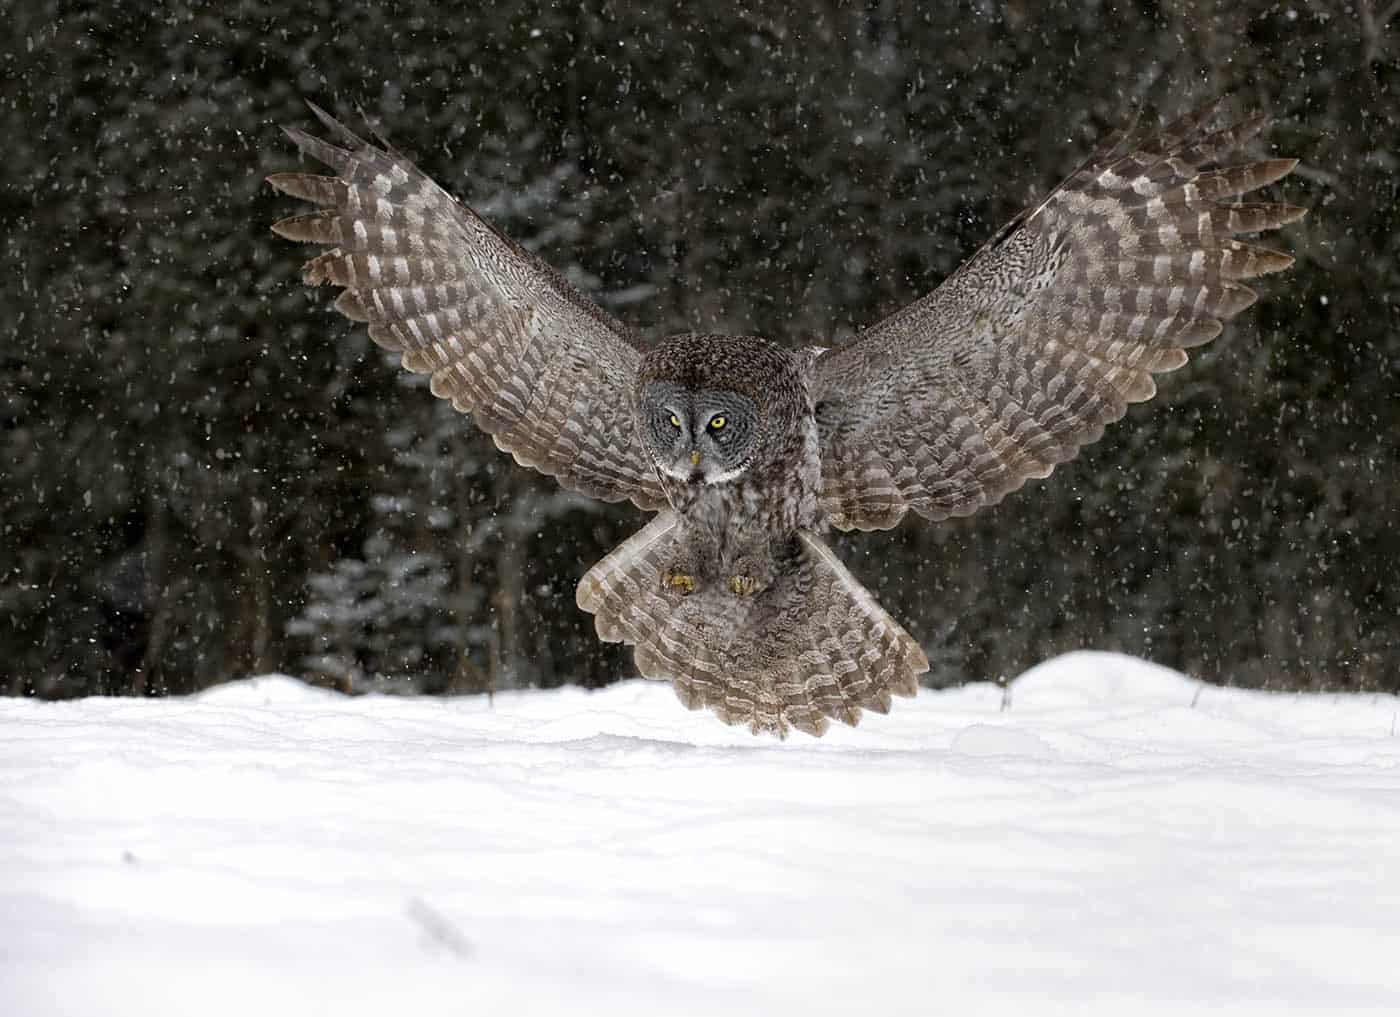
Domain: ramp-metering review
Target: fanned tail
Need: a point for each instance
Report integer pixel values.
(811, 647)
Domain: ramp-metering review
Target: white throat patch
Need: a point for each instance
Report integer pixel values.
(718, 478)
(726, 476)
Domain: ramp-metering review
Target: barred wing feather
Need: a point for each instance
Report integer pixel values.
(1049, 332)
(542, 369)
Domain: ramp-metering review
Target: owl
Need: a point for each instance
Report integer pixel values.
(749, 452)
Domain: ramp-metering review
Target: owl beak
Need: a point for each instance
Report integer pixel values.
(695, 457)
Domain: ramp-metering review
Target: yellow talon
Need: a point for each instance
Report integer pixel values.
(742, 585)
(678, 581)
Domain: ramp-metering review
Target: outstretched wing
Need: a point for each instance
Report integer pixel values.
(545, 371)
(1046, 334)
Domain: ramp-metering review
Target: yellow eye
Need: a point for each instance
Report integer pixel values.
(716, 422)
(675, 421)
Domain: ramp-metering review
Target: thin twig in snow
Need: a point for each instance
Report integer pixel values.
(438, 927)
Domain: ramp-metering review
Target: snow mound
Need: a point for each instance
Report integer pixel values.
(264, 690)
(1103, 836)
(1089, 676)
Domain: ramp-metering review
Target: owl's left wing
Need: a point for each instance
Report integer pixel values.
(1048, 333)
(540, 367)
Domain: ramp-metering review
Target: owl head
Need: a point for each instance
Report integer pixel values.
(712, 408)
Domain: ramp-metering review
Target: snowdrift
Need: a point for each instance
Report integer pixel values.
(1103, 836)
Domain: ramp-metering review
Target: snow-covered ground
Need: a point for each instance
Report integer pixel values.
(1117, 840)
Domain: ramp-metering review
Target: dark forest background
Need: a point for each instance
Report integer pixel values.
(207, 473)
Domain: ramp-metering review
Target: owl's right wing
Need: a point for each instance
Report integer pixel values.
(1047, 334)
(544, 370)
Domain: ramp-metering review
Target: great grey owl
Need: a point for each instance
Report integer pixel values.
(748, 451)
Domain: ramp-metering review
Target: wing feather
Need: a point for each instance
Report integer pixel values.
(546, 371)
(1046, 335)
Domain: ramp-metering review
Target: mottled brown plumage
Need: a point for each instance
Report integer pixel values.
(750, 451)
(1045, 335)
(503, 335)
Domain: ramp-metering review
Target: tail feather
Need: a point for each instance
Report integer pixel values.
(812, 647)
